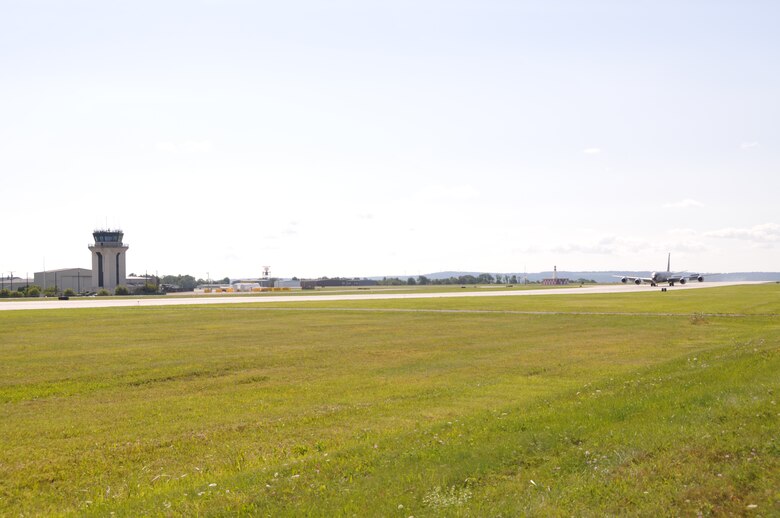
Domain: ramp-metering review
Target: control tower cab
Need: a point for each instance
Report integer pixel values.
(108, 259)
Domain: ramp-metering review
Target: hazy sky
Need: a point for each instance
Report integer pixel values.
(369, 138)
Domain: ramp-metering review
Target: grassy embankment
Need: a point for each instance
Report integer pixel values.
(664, 403)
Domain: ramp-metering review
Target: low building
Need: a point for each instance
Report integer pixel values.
(245, 287)
(139, 281)
(14, 283)
(555, 281)
(310, 284)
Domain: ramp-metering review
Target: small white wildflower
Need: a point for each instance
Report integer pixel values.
(213, 484)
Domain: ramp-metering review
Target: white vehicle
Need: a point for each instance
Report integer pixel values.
(667, 276)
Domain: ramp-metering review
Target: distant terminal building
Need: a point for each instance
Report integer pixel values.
(555, 281)
(108, 259)
(310, 284)
(76, 279)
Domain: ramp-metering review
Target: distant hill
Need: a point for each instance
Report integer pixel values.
(608, 276)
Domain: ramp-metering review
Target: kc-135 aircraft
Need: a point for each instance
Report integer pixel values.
(667, 276)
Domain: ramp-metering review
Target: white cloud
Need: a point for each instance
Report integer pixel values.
(687, 203)
(447, 193)
(748, 145)
(186, 146)
(762, 234)
(592, 151)
(607, 245)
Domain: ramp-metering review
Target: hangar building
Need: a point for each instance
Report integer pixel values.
(76, 279)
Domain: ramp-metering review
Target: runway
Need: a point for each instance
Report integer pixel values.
(97, 302)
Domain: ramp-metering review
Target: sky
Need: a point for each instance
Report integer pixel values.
(361, 138)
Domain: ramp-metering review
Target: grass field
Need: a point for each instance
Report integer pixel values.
(639, 404)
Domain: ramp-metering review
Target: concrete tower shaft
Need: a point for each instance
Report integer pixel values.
(108, 259)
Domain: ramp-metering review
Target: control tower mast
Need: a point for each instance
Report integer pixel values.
(108, 259)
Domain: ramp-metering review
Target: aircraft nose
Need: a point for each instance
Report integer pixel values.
(654, 276)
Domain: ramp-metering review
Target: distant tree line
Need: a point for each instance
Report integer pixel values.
(188, 282)
(422, 280)
(483, 278)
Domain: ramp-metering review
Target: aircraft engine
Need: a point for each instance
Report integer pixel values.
(624, 280)
(683, 281)
(700, 278)
(638, 281)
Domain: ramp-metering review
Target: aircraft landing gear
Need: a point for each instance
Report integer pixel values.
(663, 289)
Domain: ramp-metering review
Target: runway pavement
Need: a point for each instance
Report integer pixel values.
(98, 302)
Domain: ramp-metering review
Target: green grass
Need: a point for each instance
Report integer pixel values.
(653, 403)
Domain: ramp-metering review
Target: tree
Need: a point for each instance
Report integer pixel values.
(121, 290)
(391, 281)
(69, 293)
(411, 282)
(103, 293)
(485, 278)
(422, 280)
(185, 282)
(33, 291)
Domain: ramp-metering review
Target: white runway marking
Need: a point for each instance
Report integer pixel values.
(97, 302)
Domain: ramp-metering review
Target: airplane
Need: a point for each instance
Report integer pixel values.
(667, 276)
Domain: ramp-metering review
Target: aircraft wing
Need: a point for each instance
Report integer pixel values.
(682, 278)
(635, 280)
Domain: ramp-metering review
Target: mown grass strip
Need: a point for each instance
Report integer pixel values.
(138, 411)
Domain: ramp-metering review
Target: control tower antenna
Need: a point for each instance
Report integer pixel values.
(266, 272)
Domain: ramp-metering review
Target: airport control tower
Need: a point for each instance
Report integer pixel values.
(108, 259)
